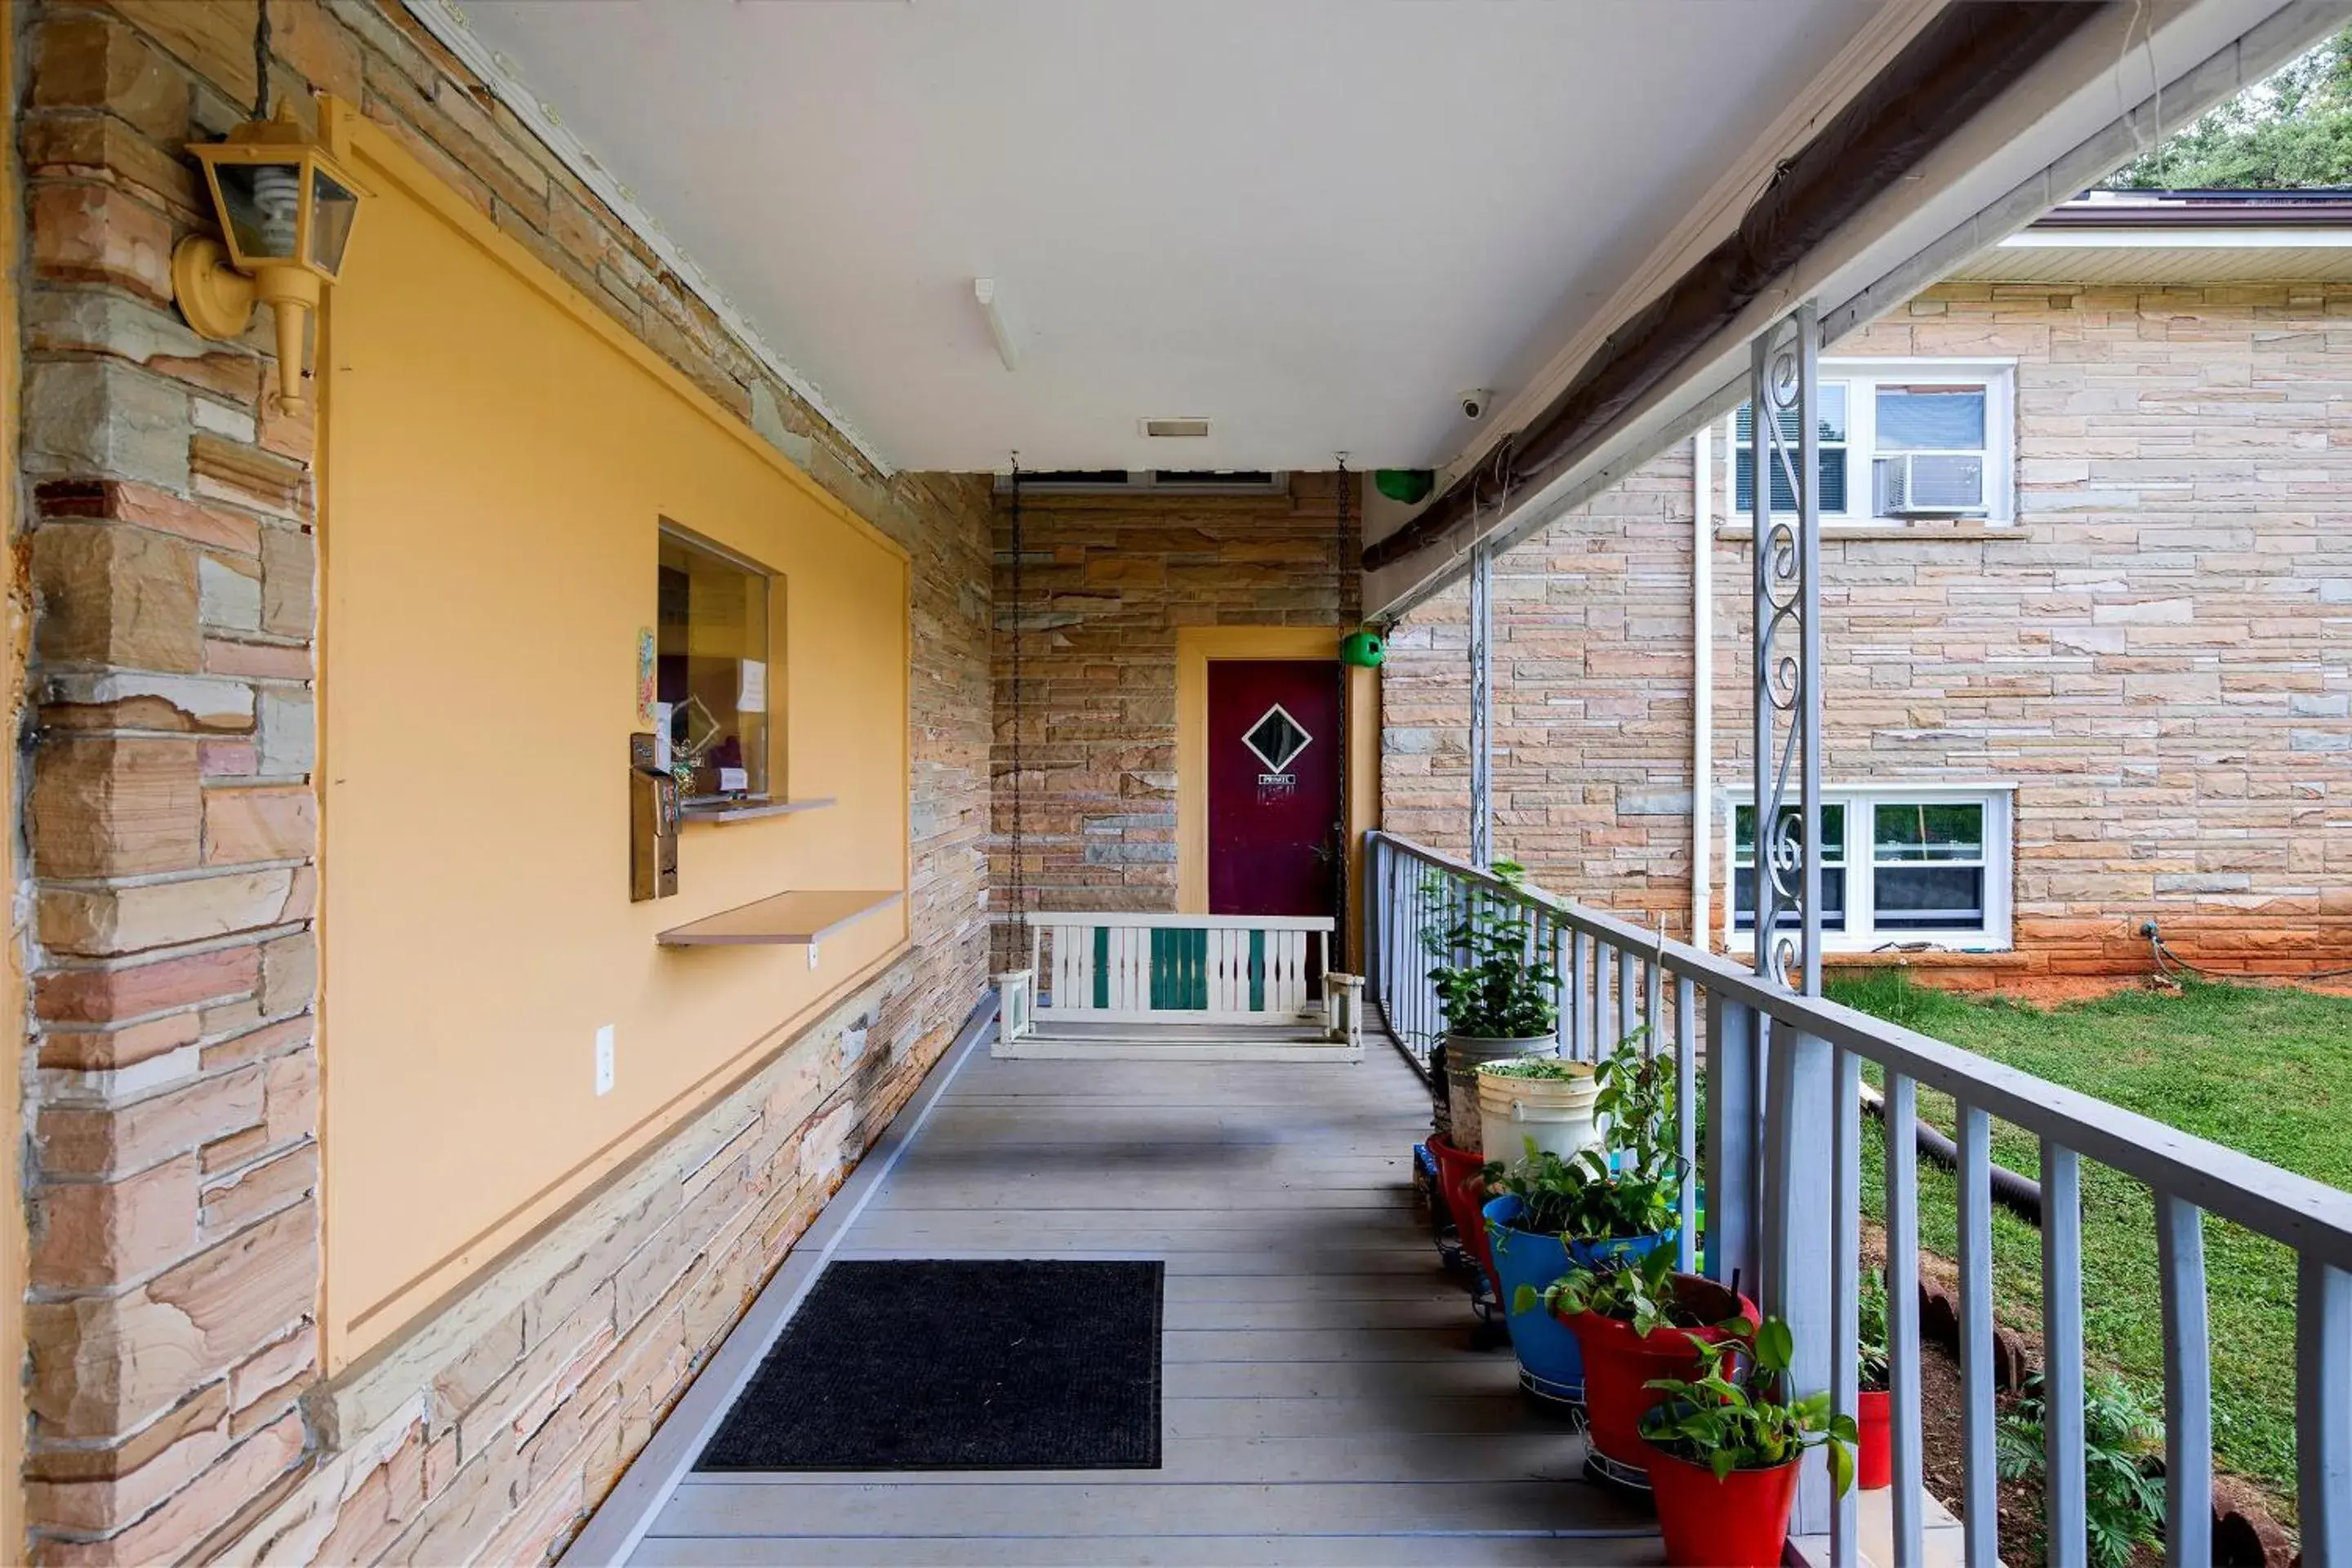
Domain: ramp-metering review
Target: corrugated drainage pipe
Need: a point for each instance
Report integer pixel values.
(2021, 1196)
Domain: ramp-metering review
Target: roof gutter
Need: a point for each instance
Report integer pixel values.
(2267, 212)
(1963, 59)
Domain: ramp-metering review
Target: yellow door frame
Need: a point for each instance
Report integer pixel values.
(1196, 648)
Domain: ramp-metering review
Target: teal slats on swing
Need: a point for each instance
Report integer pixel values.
(1180, 970)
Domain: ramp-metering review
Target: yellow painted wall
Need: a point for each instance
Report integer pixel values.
(498, 457)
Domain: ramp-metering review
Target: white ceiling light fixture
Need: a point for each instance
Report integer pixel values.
(991, 300)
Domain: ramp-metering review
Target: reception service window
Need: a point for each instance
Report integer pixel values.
(714, 661)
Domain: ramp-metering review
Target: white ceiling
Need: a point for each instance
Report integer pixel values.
(1313, 221)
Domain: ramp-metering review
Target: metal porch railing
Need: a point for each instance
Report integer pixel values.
(1782, 1173)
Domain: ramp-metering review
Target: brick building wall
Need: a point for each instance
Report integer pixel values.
(1592, 704)
(172, 1069)
(1107, 581)
(2161, 656)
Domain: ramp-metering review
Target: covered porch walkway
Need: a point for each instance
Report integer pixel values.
(1321, 1400)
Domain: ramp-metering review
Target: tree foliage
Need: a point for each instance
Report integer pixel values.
(2293, 130)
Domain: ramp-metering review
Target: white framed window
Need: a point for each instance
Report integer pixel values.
(1901, 441)
(1901, 865)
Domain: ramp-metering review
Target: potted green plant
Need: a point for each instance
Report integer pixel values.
(1875, 1450)
(1724, 1448)
(1526, 1223)
(1637, 1320)
(1555, 1212)
(1544, 1102)
(1498, 995)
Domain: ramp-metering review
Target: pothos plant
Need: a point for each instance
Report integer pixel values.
(1638, 1291)
(1550, 1189)
(1737, 1414)
(1492, 983)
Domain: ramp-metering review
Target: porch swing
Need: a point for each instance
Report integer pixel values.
(1111, 985)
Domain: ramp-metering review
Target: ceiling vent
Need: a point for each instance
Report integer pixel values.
(1184, 429)
(1150, 481)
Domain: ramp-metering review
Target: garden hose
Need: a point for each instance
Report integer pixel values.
(2167, 961)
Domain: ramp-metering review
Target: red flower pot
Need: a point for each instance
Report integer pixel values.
(1464, 1191)
(1619, 1362)
(1874, 1463)
(1739, 1522)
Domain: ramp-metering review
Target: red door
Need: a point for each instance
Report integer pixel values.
(1274, 785)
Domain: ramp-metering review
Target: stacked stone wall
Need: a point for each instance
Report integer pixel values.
(2158, 657)
(171, 1059)
(1107, 583)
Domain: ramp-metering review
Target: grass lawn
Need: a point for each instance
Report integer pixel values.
(2268, 1071)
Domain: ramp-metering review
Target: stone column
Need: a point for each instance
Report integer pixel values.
(173, 1086)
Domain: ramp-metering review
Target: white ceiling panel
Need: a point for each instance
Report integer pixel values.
(1313, 222)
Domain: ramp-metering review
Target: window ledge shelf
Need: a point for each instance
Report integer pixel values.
(1926, 958)
(788, 919)
(1894, 532)
(749, 810)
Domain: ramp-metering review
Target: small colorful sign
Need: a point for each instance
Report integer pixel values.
(645, 675)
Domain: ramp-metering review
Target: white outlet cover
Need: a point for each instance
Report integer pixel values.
(605, 1060)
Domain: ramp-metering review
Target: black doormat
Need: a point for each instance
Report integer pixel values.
(947, 1365)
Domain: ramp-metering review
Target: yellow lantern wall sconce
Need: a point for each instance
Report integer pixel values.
(286, 210)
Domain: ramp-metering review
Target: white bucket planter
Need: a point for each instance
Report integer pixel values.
(1464, 1055)
(1554, 1113)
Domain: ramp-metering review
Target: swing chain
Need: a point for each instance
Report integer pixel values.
(1017, 926)
(1340, 613)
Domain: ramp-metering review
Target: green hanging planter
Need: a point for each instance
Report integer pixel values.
(1363, 649)
(1406, 485)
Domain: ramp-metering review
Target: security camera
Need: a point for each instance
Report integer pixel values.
(1476, 401)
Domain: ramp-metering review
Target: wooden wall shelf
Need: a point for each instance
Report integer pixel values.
(787, 919)
(747, 810)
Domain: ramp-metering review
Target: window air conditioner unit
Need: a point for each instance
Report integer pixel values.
(1928, 484)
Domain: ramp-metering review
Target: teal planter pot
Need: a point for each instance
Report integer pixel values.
(1550, 1366)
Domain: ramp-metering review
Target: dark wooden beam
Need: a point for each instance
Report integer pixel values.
(1970, 54)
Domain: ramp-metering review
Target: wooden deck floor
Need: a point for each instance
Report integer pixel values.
(1323, 1404)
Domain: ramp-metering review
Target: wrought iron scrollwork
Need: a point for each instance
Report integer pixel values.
(1784, 463)
(1481, 705)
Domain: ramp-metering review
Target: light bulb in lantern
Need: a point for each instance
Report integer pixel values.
(278, 194)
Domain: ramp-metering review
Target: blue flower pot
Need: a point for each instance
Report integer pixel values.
(1550, 1366)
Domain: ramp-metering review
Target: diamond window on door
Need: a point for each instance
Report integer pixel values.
(1277, 738)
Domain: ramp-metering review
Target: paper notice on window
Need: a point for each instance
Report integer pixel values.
(752, 695)
(734, 781)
